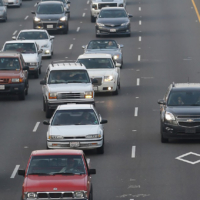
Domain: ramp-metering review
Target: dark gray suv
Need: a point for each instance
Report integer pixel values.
(51, 15)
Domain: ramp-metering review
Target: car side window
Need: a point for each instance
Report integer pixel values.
(167, 93)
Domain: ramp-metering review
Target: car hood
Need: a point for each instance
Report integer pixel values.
(50, 17)
(114, 21)
(74, 130)
(10, 74)
(184, 110)
(100, 72)
(70, 87)
(107, 51)
(35, 183)
(2, 8)
(42, 42)
(32, 57)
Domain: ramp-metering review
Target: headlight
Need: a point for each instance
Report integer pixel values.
(1, 12)
(93, 136)
(45, 45)
(55, 137)
(31, 195)
(99, 24)
(36, 19)
(80, 194)
(125, 24)
(121, 5)
(63, 19)
(88, 95)
(52, 95)
(116, 57)
(169, 116)
(108, 78)
(33, 64)
(17, 80)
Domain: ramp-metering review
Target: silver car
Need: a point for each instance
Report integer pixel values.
(105, 46)
(3, 11)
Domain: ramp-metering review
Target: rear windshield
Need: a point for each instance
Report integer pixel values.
(50, 9)
(9, 64)
(33, 35)
(102, 44)
(21, 47)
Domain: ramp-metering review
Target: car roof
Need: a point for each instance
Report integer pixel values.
(185, 86)
(95, 55)
(56, 152)
(10, 54)
(113, 8)
(66, 66)
(75, 106)
(50, 2)
(106, 1)
(20, 41)
(33, 30)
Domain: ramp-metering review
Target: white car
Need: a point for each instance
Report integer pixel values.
(16, 3)
(31, 53)
(104, 69)
(76, 126)
(41, 37)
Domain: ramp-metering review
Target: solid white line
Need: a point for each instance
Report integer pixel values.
(15, 32)
(138, 81)
(83, 14)
(136, 112)
(78, 29)
(139, 8)
(36, 126)
(15, 171)
(26, 17)
(140, 38)
(71, 45)
(133, 152)
(140, 22)
(88, 2)
(139, 57)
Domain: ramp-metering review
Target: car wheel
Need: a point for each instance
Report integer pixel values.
(40, 70)
(66, 30)
(91, 194)
(92, 19)
(122, 63)
(116, 92)
(37, 73)
(22, 96)
(26, 92)
(48, 111)
(100, 150)
(163, 140)
(44, 106)
(68, 15)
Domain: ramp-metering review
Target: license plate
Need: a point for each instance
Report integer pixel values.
(74, 144)
(112, 30)
(49, 26)
(190, 130)
(2, 87)
(95, 88)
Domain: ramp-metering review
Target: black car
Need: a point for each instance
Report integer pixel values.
(51, 15)
(180, 112)
(113, 21)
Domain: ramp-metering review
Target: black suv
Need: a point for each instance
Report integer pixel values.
(180, 112)
(51, 15)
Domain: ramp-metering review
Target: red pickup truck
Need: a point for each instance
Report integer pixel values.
(57, 174)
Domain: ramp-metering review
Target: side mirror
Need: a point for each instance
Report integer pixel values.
(92, 171)
(121, 45)
(21, 172)
(117, 64)
(40, 51)
(67, 11)
(26, 68)
(14, 38)
(161, 101)
(83, 47)
(38, 2)
(33, 12)
(52, 37)
(94, 81)
(130, 15)
(68, 2)
(43, 82)
(46, 122)
(103, 121)
(94, 6)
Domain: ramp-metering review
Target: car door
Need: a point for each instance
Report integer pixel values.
(25, 72)
(39, 54)
(117, 69)
(45, 87)
(50, 41)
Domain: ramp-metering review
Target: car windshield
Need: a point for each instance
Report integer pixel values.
(96, 63)
(1, 3)
(112, 14)
(56, 164)
(184, 98)
(102, 44)
(56, 0)
(68, 76)
(9, 64)
(75, 117)
(50, 9)
(33, 35)
(21, 47)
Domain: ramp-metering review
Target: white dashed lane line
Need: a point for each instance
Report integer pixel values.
(139, 8)
(26, 17)
(140, 22)
(36, 126)
(78, 29)
(136, 112)
(83, 14)
(15, 171)
(140, 38)
(138, 81)
(71, 45)
(139, 57)
(88, 2)
(133, 151)
(15, 32)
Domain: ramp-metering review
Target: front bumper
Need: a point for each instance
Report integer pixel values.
(87, 144)
(171, 131)
(2, 17)
(13, 88)
(119, 30)
(46, 52)
(105, 87)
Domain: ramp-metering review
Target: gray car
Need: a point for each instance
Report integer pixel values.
(106, 46)
(3, 11)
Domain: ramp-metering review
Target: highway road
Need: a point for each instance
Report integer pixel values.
(164, 47)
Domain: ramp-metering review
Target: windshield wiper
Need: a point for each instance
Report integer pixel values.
(66, 173)
(39, 174)
(75, 82)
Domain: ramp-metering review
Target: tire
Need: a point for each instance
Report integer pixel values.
(122, 64)
(48, 111)
(26, 92)
(40, 70)
(44, 106)
(163, 140)
(37, 74)
(116, 92)
(100, 150)
(92, 19)
(91, 193)
(22, 96)
(68, 15)
(66, 30)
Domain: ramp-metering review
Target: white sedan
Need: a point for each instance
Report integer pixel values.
(41, 37)
(16, 3)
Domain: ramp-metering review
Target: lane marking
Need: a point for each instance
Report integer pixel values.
(139, 57)
(36, 126)
(138, 81)
(140, 22)
(78, 29)
(139, 8)
(71, 45)
(140, 38)
(181, 158)
(196, 10)
(26, 17)
(15, 32)
(83, 14)
(136, 112)
(15, 171)
(88, 2)
(133, 152)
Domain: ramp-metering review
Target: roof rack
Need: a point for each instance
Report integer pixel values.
(63, 62)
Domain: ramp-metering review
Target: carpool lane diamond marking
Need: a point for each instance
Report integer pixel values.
(187, 161)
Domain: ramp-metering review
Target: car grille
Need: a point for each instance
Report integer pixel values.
(112, 25)
(188, 116)
(99, 81)
(81, 137)
(4, 80)
(70, 96)
(189, 124)
(55, 195)
(101, 5)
